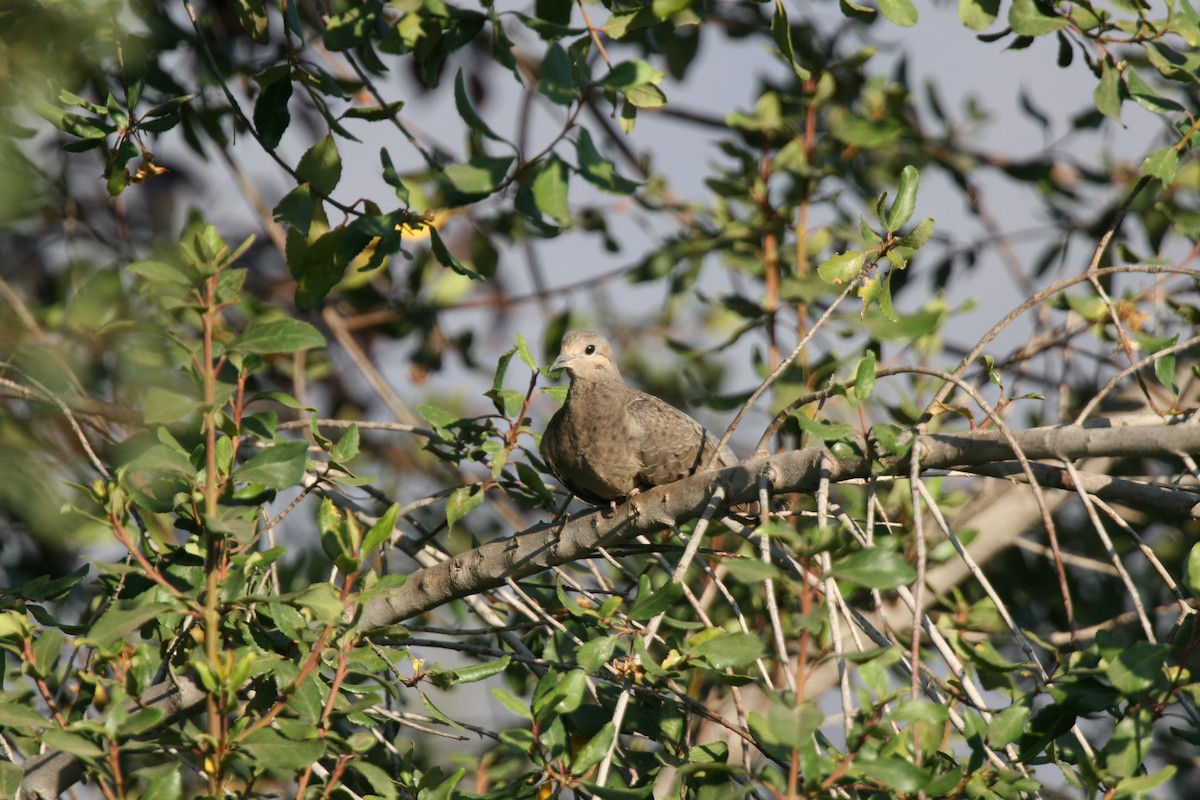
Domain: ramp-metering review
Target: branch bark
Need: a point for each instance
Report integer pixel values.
(50, 774)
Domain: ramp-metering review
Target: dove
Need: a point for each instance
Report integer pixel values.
(609, 441)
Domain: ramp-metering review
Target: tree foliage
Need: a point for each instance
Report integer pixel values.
(241, 558)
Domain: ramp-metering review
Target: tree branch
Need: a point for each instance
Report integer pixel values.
(50, 774)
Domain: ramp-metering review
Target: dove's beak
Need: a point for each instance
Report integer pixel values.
(561, 362)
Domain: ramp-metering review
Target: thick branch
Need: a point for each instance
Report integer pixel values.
(50, 774)
(545, 546)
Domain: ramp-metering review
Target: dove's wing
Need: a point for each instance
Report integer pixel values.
(671, 444)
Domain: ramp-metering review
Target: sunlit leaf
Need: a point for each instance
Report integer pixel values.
(899, 12)
(875, 568)
(321, 166)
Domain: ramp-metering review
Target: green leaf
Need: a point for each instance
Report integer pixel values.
(1146, 97)
(44, 588)
(824, 431)
(894, 774)
(164, 407)
(557, 83)
(1125, 754)
(123, 618)
(160, 272)
(347, 447)
(352, 27)
(595, 653)
(321, 166)
(117, 180)
(855, 130)
(978, 15)
(622, 23)
(1138, 667)
(553, 12)
(278, 467)
(1141, 784)
(550, 191)
(383, 785)
(508, 402)
(278, 336)
(323, 601)
(729, 650)
(47, 649)
(463, 501)
(1162, 164)
(986, 654)
(875, 568)
(899, 12)
(1107, 94)
(628, 74)
(619, 793)
(525, 354)
(15, 625)
(142, 720)
(652, 602)
(162, 459)
(296, 209)
(480, 176)
(72, 743)
(793, 727)
(554, 695)
(1005, 727)
(594, 751)
(319, 268)
(781, 31)
(165, 786)
(442, 253)
(11, 776)
(438, 417)
(918, 236)
(445, 789)
(15, 714)
(842, 267)
(767, 116)
(1164, 370)
(1034, 18)
(647, 96)
(631, 74)
(444, 679)
(864, 377)
(1186, 22)
(599, 171)
(391, 177)
(886, 309)
(906, 199)
(513, 704)
(867, 232)
(751, 571)
(1191, 571)
(381, 531)
(271, 115)
(374, 113)
(856, 11)
(467, 111)
(272, 750)
(667, 8)
(570, 692)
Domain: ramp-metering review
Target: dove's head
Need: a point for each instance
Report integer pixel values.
(586, 355)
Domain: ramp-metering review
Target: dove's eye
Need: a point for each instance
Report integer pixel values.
(590, 349)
